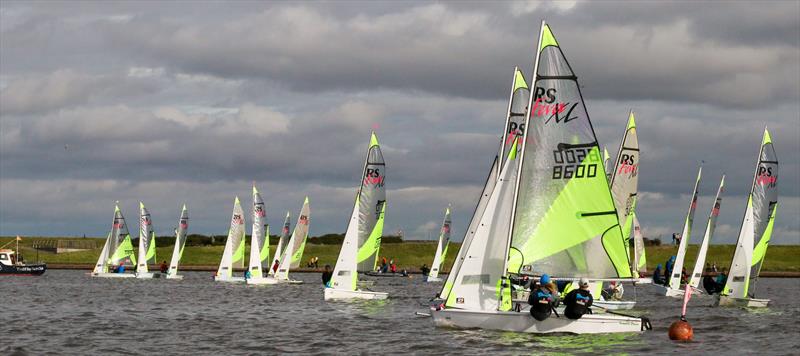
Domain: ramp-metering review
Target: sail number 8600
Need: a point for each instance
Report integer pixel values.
(569, 163)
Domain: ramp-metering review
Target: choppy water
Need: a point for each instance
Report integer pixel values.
(67, 312)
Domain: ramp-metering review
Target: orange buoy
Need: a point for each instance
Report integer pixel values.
(681, 331)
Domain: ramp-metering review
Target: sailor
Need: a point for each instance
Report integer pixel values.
(722, 278)
(425, 270)
(164, 267)
(578, 301)
(668, 270)
(121, 268)
(657, 275)
(247, 274)
(541, 299)
(275, 266)
(326, 276)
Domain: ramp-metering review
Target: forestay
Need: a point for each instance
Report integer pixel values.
(677, 268)
(757, 224)
(234, 246)
(697, 271)
(564, 221)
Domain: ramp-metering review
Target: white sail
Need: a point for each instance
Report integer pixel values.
(639, 258)
(180, 241)
(441, 246)
(476, 282)
(147, 240)
(234, 245)
(345, 273)
(697, 271)
(281, 241)
(625, 178)
(758, 221)
(102, 262)
(259, 236)
(675, 279)
(294, 249)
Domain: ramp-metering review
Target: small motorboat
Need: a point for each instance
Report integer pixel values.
(11, 265)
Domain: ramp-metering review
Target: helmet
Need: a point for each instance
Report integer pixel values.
(545, 279)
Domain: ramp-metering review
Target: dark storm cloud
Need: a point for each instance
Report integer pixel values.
(172, 102)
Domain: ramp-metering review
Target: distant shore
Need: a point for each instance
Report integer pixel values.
(781, 260)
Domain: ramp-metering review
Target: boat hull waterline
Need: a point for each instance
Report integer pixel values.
(614, 304)
(726, 301)
(525, 323)
(114, 275)
(339, 294)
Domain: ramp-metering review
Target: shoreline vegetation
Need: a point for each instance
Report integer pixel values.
(203, 254)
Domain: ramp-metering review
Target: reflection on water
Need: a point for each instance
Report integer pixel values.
(67, 312)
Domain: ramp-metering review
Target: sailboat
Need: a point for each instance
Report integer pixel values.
(673, 288)
(117, 251)
(293, 254)
(758, 221)
(180, 242)
(279, 248)
(624, 181)
(513, 128)
(697, 271)
(441, 248)
(551, 211)
(259, 242)
(363, 230)
(234, 247)
(147, 245)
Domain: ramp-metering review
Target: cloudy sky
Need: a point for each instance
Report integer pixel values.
(193, 101)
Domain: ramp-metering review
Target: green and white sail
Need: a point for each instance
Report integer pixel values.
(697, 271)
(625, 178)
(514, 125)
(118, 247)
(371, 206)
(180, 241)
(147, 240)
(639, 254)
(297, 243)
(675, 279)
(259, 236)
(234, 246)
(279, 248)
(441, 246)
(565, 222)
(757, 224)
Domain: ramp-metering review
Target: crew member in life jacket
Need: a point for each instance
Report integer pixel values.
(578, 301)
(542, 299)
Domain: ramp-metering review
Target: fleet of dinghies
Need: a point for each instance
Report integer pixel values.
(553, 203)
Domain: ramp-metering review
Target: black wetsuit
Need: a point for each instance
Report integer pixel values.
(425, 270)
(326, 277)
(541, 301)
(577, 303)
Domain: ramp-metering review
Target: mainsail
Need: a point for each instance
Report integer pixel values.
(371, 205)
(625, 177)
(517, 110)
(180, 241)
(757, 224)
(564, 222)
(147, 240)
(259, 236)
(677, 268)
(234, 246)
(294, 249)
(281, 241)
(441, 247)
(697, 272)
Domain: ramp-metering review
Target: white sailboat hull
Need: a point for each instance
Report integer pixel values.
(644, 280)
(614, 304)
(433, 279)
(726, 301)
(229, 279)
(175, 277)
(148, 275)
(675, 293)
(525, 323)
(114, 275)
(339, 294)
(270, 280)
(365, 283)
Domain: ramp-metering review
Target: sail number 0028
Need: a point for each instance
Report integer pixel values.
(569, 163)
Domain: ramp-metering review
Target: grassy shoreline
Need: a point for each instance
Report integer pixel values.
(408, 255)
